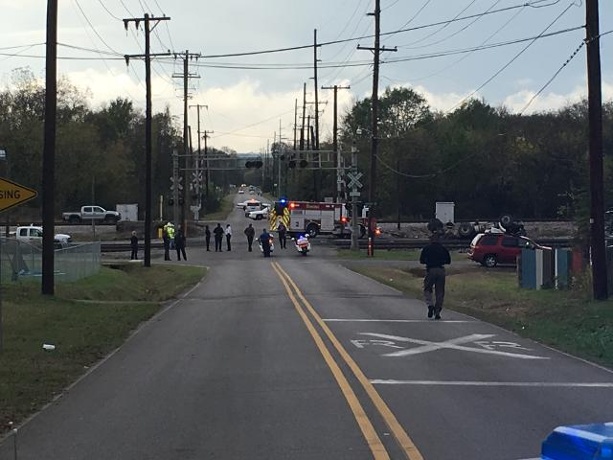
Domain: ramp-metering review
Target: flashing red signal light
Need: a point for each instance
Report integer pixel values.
(292, 205)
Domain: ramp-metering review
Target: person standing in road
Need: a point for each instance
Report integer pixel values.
(166, 241)
(265, 242)
(250, 233)
(434, 256)
(180, 243)
(207, 237)
(228, 237)
(282, 229)
(134, 246)
(218, 231)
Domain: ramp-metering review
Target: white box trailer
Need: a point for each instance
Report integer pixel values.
(445, 211)
(128, 212)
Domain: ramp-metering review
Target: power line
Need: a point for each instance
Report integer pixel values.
(517, 55)
(334, 42)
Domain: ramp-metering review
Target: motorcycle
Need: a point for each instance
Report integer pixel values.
(270, 249)
(302, 244)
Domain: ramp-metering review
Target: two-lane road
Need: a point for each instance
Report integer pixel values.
(300, 358)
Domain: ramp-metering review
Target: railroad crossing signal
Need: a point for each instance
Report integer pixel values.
(172, 183)
(354, 179)
(12, 194)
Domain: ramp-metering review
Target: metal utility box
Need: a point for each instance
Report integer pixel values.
(128, 212)
(445, 211)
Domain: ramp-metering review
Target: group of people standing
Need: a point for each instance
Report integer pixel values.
(174, 239)
(219, 232)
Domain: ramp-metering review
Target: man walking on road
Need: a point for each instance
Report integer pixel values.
(434, 256)
(218, 231)
(250, 233)
(180, 243)
(207, 237)
(282, 229)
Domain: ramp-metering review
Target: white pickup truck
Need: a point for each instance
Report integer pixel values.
(34, 234)
(91, 213)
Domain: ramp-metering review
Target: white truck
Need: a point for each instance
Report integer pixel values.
(91, 213)
(34, 234)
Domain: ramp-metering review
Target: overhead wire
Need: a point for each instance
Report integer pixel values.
(383, 34)
(444, 26)
(466, 55)
(557, 72)
(515, 57)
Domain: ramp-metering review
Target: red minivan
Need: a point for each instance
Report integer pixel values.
(491, 249)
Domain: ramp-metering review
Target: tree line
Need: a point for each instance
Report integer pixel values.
(486, 160)
(100, 153)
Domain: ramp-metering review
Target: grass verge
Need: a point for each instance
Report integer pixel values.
(566, 320)
(83, 329)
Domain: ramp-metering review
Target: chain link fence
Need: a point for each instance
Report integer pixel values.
(21, 260)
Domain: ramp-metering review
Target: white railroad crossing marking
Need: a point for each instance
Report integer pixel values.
(452, 344)
(354, 179)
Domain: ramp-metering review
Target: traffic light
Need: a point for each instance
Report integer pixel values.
(292, 163)
(254, 164)
(304, 163)
(180, 201)
(171, 201)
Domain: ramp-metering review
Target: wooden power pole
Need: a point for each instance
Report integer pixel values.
(597, 236)
(375, 125)
(148, 122)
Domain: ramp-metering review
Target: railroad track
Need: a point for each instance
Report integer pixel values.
(383, 243)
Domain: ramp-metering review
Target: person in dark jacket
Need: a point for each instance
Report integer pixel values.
(207, 237)
(166, 240)
(219, 233)
(134, 246)
(434, 256)
(250, 233)
(282, 229)
(265, 242)
(180, 243)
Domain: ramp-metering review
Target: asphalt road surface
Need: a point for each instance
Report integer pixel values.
(297, 357)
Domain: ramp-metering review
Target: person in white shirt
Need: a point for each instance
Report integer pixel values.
(228, 237)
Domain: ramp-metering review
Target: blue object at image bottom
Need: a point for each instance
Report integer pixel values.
(579, 442)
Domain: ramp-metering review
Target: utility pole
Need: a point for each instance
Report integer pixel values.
(316, 140)
(199, 157)
(597, 237)
(375, 122)
(355, 245)
(186, 153)
(207, 172)
(148, 123)
(295, 121)
(48, 182)
(303, 116)
(339, 173)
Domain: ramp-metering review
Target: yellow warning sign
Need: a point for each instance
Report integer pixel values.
(12, 194)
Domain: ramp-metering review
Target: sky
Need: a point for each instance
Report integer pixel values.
(254, 57)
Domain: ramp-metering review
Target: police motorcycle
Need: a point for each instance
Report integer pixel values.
(271, 246)
(302, 244)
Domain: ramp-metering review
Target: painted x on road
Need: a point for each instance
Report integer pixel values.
(453, 344)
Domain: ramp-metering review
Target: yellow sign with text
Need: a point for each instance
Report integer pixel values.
(12, 194)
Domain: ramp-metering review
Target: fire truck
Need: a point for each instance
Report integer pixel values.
(314, 218)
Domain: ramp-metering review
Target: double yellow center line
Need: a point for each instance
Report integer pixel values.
(303, 306)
